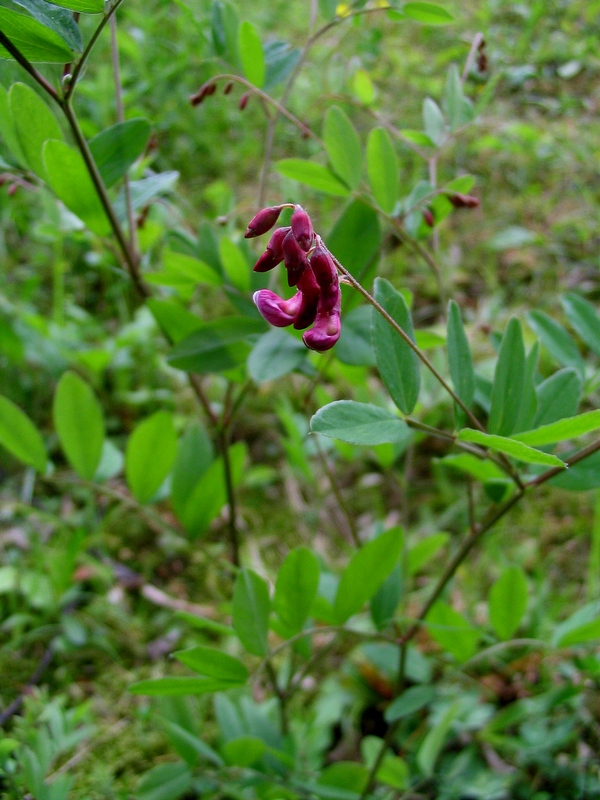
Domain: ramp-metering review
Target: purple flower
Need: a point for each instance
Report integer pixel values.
(275, 309)
(263, 221)
(302, 228)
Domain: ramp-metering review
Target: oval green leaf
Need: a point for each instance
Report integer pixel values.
(69, 179)
(150, 454)
(313, 175)
(20, 436)
(251, 54)
(250, 611)
(79, 423)
(116, 148)
(397, 363)
(359, 423)
(213, 664)
(427, 13)
(382, 169)
(343, 147)
(502, 444)
(274, 355)
(507, 602)
(34, 124)
(296, 588)
(562, 430)
(367, 570)
(509, 381)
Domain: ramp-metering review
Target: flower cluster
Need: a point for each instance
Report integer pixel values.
(310, 267)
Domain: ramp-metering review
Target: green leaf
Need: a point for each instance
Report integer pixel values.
(397, 363)
(34, 40)
(164, 782)
(188, 745)
(296, 588)
(459, 108)
(427, 13)
(313, 175)
(54, 19)
(274, 355)
(174, 321)
(413, 699)
(79, 423)
(145, 190)
(116, 148)
(84, 6)
(34, 124)
(191, 269)
(150, 454)
(363, 87)
(346, 775)
(355, 238)
(507, 602)
(194, 457)
(250, 611)
(452, 631)
(216, 346)
(478, 468)
(343, 147)
(367, 570)
(7, 128)
(209, 495)
(509, 381)
(176, 687)
(433, 121)
(359, 423)
(517, 450)
(558, 396)
(460, 360)
(556, 340)
(235, 265)
(433, 743)
(280, 60)
(251, 54)
(529, 404)
(20, 436)
(581, 476)
(382, 169)
(243, 751)
(584, 318)
(560, 431)
(423, 551)
(354, 346)
(213, 664)
(581, 627)
(69, 179)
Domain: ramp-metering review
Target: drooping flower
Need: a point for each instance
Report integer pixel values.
(311, 267)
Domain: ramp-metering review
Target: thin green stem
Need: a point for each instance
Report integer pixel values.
(234, 538)
(338, 495)
(28, 67)
(281, 697)
(88, 49)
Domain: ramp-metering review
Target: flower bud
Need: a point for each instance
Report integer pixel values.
(294, 258)
(323, 266)
(228, 87)
(302, 228)
(204, 91)
(275, 309)
(273, 255)
(244, 101)
(309, 289)
(263, 221)
(463, 200)
(428, 217)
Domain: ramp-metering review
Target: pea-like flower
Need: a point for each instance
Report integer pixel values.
(311, 267)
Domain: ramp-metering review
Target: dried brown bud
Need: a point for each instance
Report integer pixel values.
(205, 90)
(263, 221)
(428, 217)
(244, 101)
(302, 228)
(463, 200)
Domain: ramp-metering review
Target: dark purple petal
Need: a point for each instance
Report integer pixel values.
(275, 309)
(302, 228)
(294, 257)
(323, 266)
(263, 221)
(324, 333)
(310, 300)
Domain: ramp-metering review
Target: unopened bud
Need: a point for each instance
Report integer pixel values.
(263, 221)
(302, 228)
(244, 101)
(294, 258)
(463, 200)
(323, 266)
(309, 289)
(204, 91)
(273, 255)
(275, 309)
(228, 87)
(428, 217)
